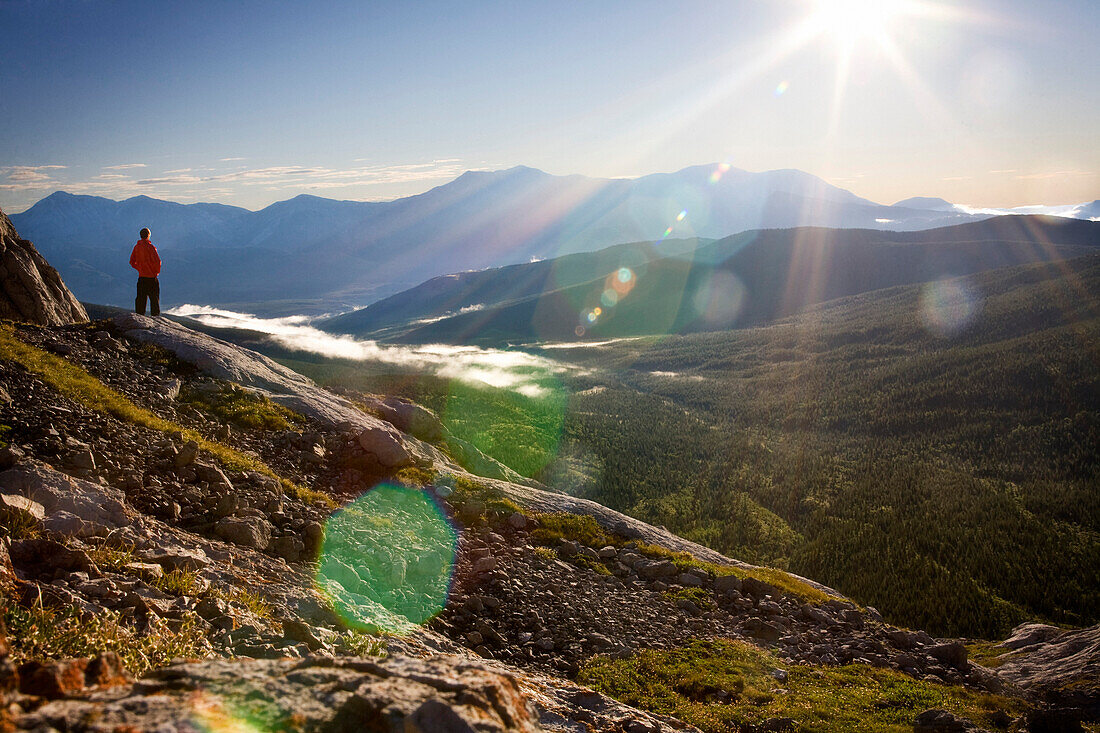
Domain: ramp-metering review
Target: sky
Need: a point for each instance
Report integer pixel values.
(992, 103)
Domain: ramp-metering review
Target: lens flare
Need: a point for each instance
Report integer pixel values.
(717, 173)
(387, 560)
(719, 301)
(782, 88)
(948, 305)
(624, 274)
(682, 215)
(609, 298)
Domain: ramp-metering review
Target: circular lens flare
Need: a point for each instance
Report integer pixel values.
(948, 306)
(387, 560)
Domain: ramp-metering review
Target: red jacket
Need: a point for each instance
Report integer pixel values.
(145, 259)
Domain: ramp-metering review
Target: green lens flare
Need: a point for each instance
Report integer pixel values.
(387, 560)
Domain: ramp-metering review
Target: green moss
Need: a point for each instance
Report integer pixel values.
(243, 408)
(699, 596)
(781, 580)
(590, 563)
(586, 530)
(575, 527)
(414, 477)
(726, 685)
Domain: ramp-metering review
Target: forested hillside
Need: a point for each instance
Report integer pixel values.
(947, 477)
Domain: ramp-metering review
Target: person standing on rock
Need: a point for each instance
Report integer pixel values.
(146, 261)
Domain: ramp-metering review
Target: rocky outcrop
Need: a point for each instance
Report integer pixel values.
(252, 370)
(1059, 666)
(398, 694)
(30, 289)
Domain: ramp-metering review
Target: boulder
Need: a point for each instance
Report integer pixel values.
(1026, 635)
(289, 548)
(942, 721)
(1063, 670)
(100, 509)
(727, 583)
(187, 454)
(21, 510)
(9, 456)
(951, 653)
(247, 532)
(656, 569)
(411, 418)
(386, 446)
(30, 289)
(40, 558)
(184, 560)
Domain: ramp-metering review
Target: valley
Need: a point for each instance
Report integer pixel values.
(948, 479)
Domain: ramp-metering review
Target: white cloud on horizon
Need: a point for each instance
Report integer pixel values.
(193, 184)
(1067, 211)
(518, 371)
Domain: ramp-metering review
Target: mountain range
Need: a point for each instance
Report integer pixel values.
(748, 279)
(310, 254)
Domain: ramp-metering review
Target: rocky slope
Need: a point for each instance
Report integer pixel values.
(160, 502)
(30, 289)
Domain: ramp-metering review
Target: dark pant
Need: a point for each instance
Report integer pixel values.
(148, 287)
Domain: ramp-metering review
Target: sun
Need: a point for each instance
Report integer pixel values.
(849, 21)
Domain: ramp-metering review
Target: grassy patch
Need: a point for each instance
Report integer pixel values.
(726, 685)
(246, 599)
(43, 633)
(179, 583)
(473, 498)
(359, 644)
(414, 477)
(112, 558)
(243, 408)
(590, 563)
(18, 525)
(306, 494)
(575, 527)
(80, 386)
(988, 654)
(699, 596)
(783, 581)
(585, 530)
(545, 553)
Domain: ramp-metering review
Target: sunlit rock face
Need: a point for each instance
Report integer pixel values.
(30, 289)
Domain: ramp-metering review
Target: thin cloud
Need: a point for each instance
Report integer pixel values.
(1053, 174)
(518, 371)
(230, 160)
(29, 174)
(124, 166)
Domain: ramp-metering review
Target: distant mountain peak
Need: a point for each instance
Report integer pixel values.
(928, 203)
